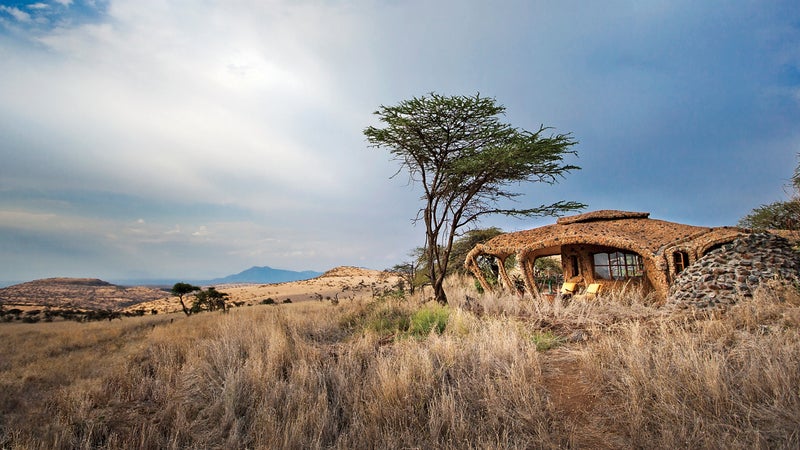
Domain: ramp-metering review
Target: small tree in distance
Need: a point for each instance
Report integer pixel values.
(408, 272)
(210, 299)
(181, 289)
(465, 159)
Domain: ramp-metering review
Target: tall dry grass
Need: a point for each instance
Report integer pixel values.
(613, 372)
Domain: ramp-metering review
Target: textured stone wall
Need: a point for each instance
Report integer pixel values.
(724, 275)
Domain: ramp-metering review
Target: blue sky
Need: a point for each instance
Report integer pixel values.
(196, 139)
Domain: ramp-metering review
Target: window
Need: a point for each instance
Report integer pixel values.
(575, 268)
(618, 265)
(681, 260)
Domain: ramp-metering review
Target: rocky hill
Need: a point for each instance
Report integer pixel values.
(350, 271)
(82, 293)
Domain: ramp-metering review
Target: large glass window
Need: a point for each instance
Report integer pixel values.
(618, 265)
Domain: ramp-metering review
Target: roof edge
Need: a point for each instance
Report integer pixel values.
(603, 214)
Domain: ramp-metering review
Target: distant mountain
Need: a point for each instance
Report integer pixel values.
(265, 275)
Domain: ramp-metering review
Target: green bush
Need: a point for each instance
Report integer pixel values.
(433, 317)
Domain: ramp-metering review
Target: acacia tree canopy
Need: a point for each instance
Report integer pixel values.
(781, 215)
(776, 215)
(466, 160)
(181, 289)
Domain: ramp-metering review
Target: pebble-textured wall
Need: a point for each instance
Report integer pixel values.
(726, 274)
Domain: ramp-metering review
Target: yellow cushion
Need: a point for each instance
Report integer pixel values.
(568, 288)
(593, 288)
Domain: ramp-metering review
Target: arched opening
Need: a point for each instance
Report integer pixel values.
(548, 273)
(680, 260)
(489, 268)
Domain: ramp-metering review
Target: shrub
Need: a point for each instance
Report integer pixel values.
(432, 317)
(388, 320)
(546, 340)
(382, 317)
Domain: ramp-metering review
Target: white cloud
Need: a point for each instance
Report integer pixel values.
(16, 13)
(67, 3)
(38, 6)
(202, 231)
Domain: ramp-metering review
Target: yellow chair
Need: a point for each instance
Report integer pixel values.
(568, 288)
(592, 290)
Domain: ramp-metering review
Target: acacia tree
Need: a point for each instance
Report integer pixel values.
(210, 299)
(466, 159)
(181, 289)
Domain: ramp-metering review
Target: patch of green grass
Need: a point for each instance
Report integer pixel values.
(398, 318)
(388, 320)
(382, 317)
(430, 318)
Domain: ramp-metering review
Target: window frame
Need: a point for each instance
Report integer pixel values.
(619, 265)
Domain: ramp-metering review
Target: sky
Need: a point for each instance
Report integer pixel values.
(195, 139)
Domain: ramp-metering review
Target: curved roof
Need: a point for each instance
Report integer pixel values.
(621, 229)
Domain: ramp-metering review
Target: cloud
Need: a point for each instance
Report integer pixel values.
(16, 13)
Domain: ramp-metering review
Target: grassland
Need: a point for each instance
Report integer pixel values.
(613, 372)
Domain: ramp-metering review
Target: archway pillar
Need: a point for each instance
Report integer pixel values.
(509, 284)
(472, 265)
(525, 258)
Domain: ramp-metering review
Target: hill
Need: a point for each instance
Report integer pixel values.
(265, 275)
(350, 271)
(82, 293)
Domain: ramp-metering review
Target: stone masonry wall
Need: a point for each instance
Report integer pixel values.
(733, 271)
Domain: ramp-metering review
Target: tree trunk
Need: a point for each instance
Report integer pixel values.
(183, 305)
(438, 290)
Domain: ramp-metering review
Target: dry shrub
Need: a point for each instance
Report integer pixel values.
(725, 380)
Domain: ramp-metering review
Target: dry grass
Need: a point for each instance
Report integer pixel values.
(604, 373)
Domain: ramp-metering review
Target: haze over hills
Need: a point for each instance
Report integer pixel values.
(265, 275)
(255, 275)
